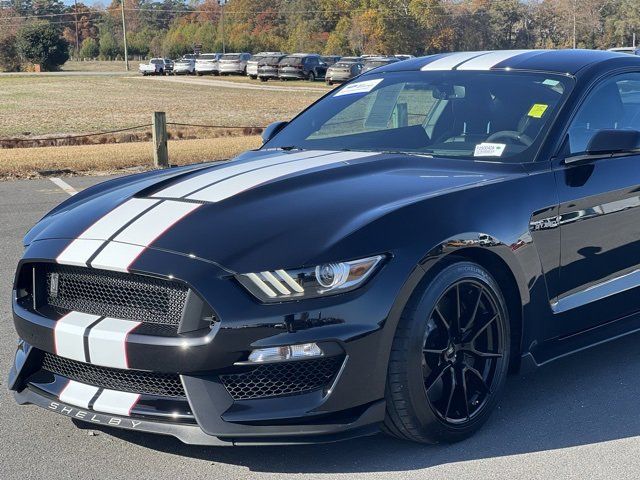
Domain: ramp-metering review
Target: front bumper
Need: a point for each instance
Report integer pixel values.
(297, 75)
(232, 69)
(207, 69)
(338, 77)
(348, 326)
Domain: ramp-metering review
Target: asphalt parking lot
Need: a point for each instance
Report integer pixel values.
(577, 418)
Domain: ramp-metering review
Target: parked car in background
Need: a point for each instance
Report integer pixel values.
(629, 50)
(330, 59)
(252, 64)
(268, 67)
(302, 66)
(156, 66)
(207, 64)
(233, 63)
(343, 70)
(373, 62)
(184, 66)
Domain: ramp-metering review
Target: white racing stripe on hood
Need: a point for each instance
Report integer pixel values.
(490, 60)
(233, 186)
(154, 223)
(154, 218)
(184, 188)
(88, 242)
(117, 256)
(450, 61)
(127, 246)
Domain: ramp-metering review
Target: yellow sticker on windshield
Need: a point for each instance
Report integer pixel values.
(538, 110)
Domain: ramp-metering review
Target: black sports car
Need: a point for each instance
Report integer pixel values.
(381, 262)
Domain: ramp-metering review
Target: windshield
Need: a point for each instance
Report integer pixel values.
(292, 61)
(157, 61)
(256, 58)
(377, 63)
(344, 64)
(270, 61)
(231, 56)
(499, 116)
(208, 56)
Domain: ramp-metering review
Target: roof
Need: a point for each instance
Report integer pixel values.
(560, 61)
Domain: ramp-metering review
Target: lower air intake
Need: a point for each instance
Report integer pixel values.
(133, 381)
(279, 379)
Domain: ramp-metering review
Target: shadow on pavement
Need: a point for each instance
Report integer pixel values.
(587, 398)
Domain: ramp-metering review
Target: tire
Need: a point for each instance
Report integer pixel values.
(445, 376)
(253, 77)
(263, 79)
(311, 77)
(329, 82)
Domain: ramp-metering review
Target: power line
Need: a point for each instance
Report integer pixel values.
(380, 10)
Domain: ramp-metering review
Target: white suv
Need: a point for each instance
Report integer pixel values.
(234, 63)
(207, 64)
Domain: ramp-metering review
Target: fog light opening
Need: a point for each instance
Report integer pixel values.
(284, 353)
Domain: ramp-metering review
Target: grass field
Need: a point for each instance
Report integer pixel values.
(96, 159)
(98, 66)
(75, 104)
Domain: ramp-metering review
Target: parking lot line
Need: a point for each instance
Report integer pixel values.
(64, 185)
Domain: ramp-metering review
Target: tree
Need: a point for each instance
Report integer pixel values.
(9, 60)
(41, 44)
(109, 47)
(89, 48)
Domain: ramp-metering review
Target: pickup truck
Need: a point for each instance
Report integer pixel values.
(156, 66)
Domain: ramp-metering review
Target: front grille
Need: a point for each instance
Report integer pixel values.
(114, 294)
(133, 381)
(279, 379)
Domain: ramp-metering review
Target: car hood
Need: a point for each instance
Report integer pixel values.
(263, 209)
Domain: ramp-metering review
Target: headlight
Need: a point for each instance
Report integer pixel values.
(319, 281)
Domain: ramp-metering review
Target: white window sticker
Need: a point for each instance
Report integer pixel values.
(360, 87)
(489, 150)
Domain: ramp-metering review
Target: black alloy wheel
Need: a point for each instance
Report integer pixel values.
(462, 349)
(449, 358)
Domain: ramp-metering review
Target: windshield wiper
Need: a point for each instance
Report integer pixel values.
(413, 154)
(288, 148)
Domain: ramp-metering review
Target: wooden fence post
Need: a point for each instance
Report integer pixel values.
(160, 151)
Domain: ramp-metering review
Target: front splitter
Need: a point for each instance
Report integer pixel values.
(189, 434)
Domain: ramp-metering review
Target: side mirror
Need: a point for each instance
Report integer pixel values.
(613, 141)
(271, 130)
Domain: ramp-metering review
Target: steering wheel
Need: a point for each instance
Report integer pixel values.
(510, 135)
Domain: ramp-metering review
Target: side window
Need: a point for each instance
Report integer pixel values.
(614, 104)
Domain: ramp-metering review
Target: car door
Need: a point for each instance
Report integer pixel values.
(310, 64)
(599, 215)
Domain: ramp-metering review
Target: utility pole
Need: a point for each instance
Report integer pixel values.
(124, 36)
(77, 41)
(574, 23)
(222, 3)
